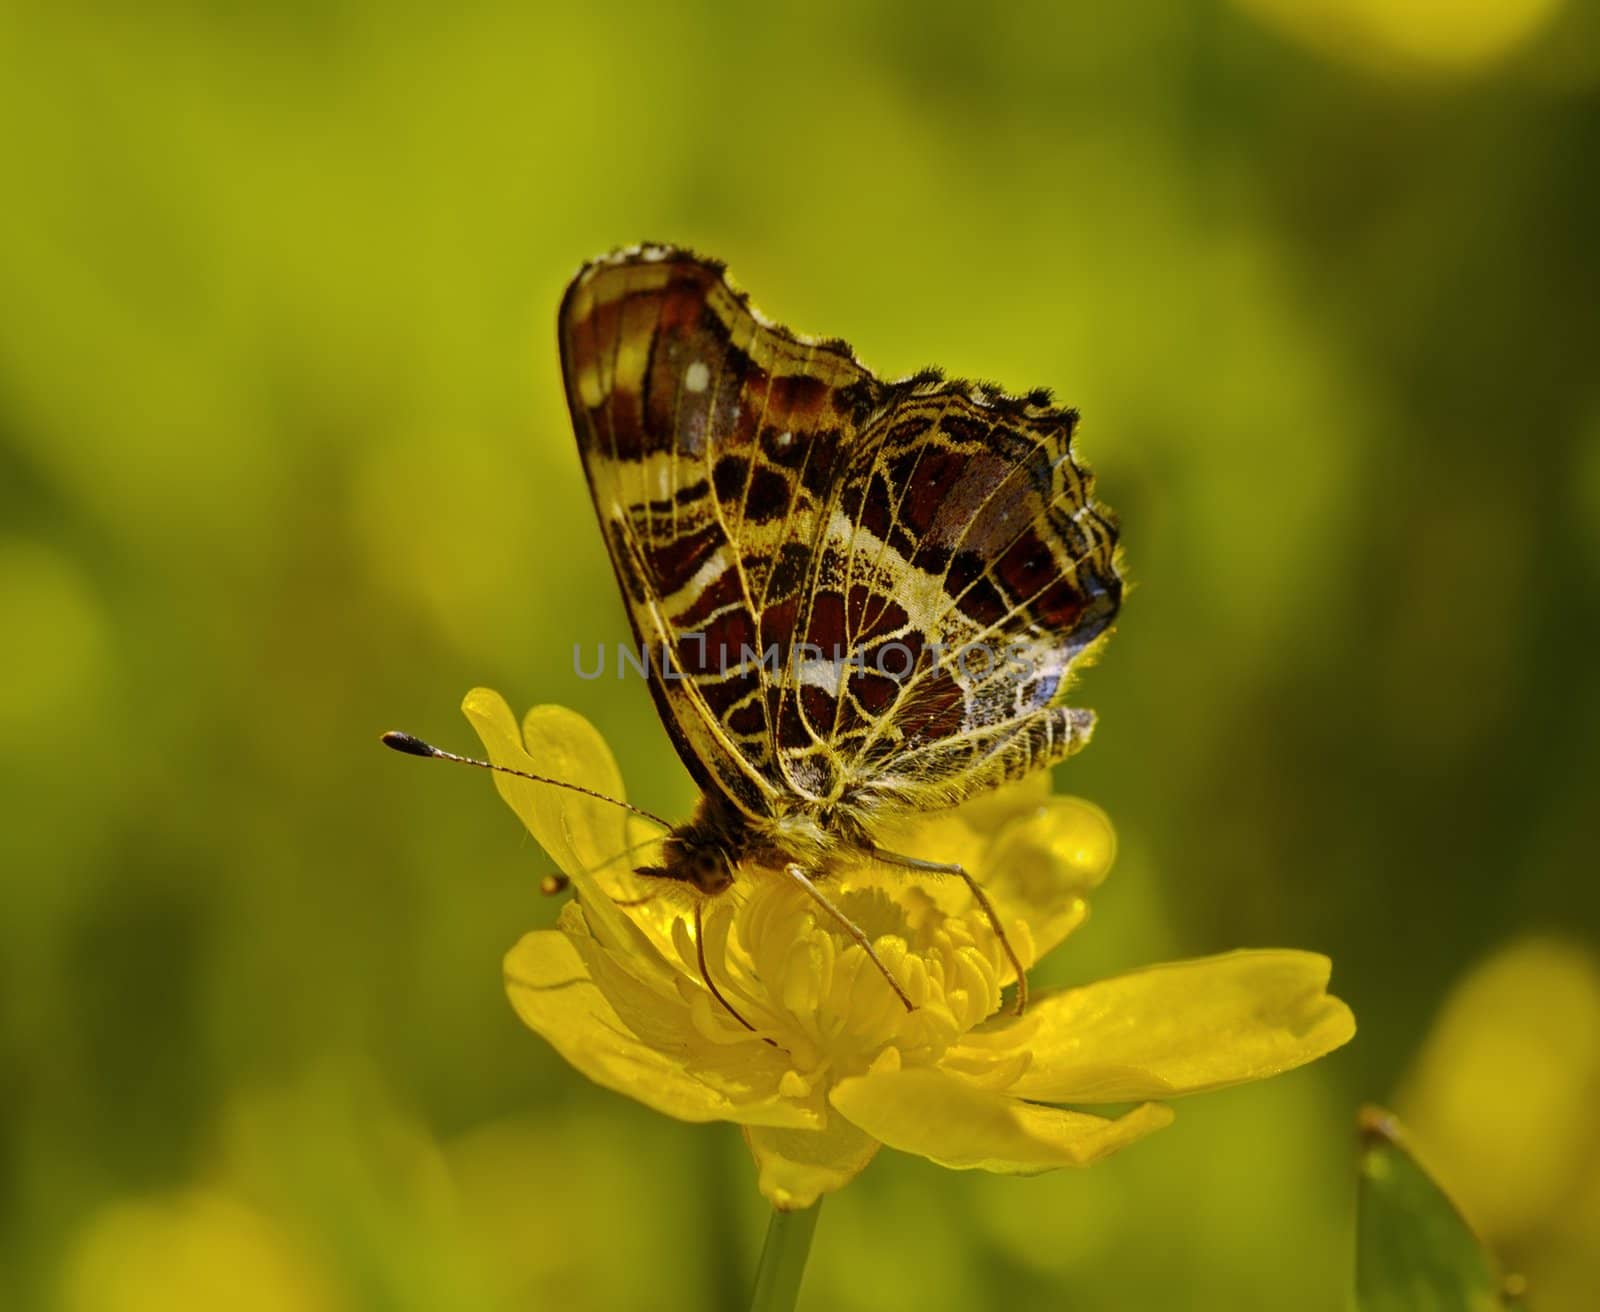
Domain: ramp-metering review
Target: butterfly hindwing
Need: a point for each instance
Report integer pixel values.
(966, 567)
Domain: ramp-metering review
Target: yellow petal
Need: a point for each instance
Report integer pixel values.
(987, 812)
(956, 1124)
(1044, 863)
(1037, 856)
(745, 1068)
(1180, 1028)
(582, 835)
(796, 1167)
(578, 832)
(552, 992)
(959, 835)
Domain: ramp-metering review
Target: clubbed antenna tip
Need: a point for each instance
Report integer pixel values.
(404, 742)
(412, 746)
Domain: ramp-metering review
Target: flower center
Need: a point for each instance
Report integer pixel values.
(805, 984)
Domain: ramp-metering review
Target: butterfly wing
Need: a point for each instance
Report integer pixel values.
(850, 588)
(962, 572)
(711, 441)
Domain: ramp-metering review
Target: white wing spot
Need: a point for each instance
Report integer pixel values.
(696, 376)
(820, 673)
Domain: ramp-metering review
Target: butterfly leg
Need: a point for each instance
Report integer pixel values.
(982, 899)
(849, 926)
(705, 973)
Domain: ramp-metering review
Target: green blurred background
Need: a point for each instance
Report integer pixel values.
(284, 462)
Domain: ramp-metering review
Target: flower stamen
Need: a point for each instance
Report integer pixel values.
(850, 927)
(982, 899)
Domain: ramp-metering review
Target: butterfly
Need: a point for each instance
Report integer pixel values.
(861, 598)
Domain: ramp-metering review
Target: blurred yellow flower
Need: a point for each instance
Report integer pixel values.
(1500, 1105)
(1456, 35)
(835, 1066)
(203, 1248)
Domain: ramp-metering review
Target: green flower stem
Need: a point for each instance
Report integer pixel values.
(783, 1259)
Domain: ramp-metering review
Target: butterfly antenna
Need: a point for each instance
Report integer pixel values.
(414, 746)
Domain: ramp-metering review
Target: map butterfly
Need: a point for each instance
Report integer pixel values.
(863, 598)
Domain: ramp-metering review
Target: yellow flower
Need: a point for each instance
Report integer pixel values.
(1516, 1046)
(836, 1066)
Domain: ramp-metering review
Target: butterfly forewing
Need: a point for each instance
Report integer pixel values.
(849, 587)
(710, 441)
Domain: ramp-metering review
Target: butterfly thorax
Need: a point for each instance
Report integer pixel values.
(708, 850)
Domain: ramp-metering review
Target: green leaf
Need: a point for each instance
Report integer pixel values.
(1414, 1252)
